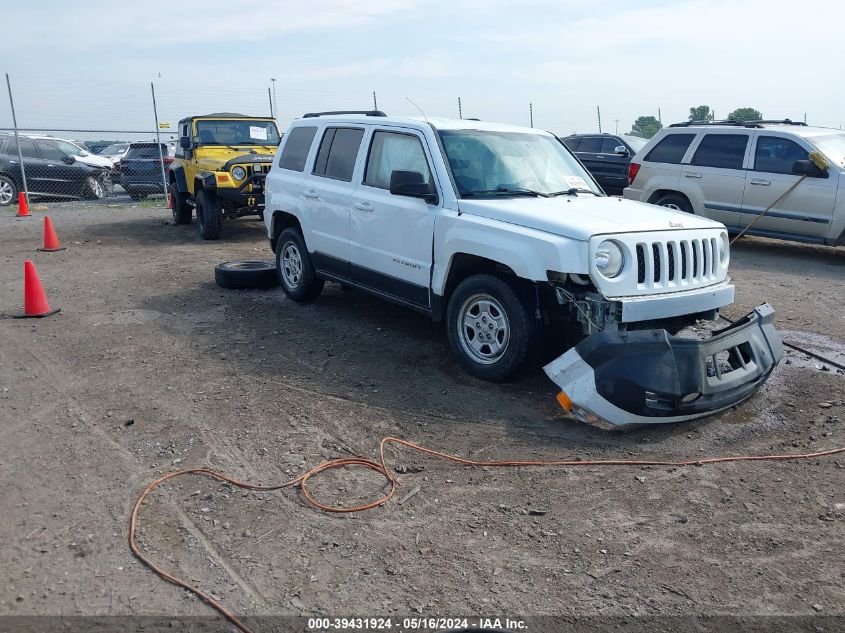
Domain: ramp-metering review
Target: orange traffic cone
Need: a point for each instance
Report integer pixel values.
(35, 299)
(51, 240)
(170, 200)
(23, 207)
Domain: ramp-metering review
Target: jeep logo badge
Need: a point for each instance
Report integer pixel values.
(676, 225)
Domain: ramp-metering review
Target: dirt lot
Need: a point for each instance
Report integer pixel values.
(150, 367)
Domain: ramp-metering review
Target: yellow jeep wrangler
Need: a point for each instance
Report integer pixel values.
(220, 166)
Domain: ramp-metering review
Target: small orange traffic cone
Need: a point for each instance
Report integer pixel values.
(170, 200)
(34, 297)
(23, 207)
(51, 240)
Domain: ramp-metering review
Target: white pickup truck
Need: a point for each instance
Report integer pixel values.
(502, 233)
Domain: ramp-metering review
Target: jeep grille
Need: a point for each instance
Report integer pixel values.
(659, 263)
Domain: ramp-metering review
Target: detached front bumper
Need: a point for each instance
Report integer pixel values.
(649, 376)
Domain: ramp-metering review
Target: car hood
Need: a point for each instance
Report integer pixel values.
(94, 161)
(584, 216)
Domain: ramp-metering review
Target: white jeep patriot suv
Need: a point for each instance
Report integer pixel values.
(500, 231)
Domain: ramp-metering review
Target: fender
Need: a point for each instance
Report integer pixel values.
(279, 221)
(206, 179)
(529, 253)
(178, 177)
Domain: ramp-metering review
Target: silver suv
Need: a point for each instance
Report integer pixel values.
(732, 172)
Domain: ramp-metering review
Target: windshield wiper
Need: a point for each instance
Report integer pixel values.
(518, 191)
(573, 191)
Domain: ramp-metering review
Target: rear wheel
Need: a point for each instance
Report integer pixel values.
(299, 281)
(179, 205)
(675, 202)
(209, 215)
(8, 191)
(490, 327)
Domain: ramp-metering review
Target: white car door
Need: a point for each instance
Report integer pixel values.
(806, 211)
(329, 196)
(391, 235)
(716, 171)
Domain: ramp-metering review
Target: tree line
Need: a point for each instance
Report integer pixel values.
(647, 126)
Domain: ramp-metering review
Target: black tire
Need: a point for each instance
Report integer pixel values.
(675, 201)
(8, 191)
(209, 215)
(299, 281)
(94, 189)
(241, 274)
(522, 331)
(182, 211)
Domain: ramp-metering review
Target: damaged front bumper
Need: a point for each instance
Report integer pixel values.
(649, 376)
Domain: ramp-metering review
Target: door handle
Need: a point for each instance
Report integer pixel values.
(761, 182)
(363, 206)
(692, 174)
(311, 194)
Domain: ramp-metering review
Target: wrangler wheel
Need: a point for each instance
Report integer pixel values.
(209, 215)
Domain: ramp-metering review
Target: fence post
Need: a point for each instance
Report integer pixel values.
(158, 141)
(17, 140)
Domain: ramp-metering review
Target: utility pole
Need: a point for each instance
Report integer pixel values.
(270, 97)
(460, 110)
(805, 117)
(659, 117)
(275, 101)
(531, 113)
(617, 125)
(598, 113)
(375, 101)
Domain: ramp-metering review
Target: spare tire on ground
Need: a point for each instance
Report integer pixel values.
(247, 274)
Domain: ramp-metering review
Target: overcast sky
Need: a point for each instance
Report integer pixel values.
(88, 64)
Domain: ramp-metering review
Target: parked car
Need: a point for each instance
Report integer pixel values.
(115, 152)
(81, 154)
(606, 157)
(500, 232)
(732, 172)
(140, 169)
(50, 171)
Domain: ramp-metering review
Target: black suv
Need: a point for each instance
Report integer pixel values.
(140, 169)
(50, 172)
(606, 157)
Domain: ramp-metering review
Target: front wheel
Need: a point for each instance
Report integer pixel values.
(299, 281)
(490, 327)
(209, 215)
(94, 189)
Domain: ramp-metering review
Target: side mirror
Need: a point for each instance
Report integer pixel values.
(413, 185)
(808, 168)
(185, 142)
(68, 160)
(621, 150)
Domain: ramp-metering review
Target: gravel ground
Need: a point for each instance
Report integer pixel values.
(150, 367)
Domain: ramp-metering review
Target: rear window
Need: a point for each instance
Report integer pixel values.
(338, 151)
(725, 151)
(671, 149)
(297, 146)
(146, 151)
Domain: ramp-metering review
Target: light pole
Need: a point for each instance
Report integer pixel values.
(275, 102)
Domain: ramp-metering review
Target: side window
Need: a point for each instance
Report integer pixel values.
(609, 144)
(27, 148)
(48, 151)
(295, 152)
(671, 149)
(777, 155)
(338, 151)
(572, 143)
(590, 144)
(721, 150)
(391, 151)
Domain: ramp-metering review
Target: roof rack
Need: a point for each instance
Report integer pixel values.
(750, 124)
(312, 115)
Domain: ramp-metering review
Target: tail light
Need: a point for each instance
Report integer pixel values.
(167, 161)
(633, 170)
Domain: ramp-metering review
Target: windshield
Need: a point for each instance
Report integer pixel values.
(832, 146)
(237, 132)
(635, 142)
(150, 150)
(114, 150)
(483, 162)
(69, 148)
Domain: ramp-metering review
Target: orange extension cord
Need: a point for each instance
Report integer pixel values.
(381, 468)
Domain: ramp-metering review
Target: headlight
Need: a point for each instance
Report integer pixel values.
(725, 250)
(609, 259)
(239, 173)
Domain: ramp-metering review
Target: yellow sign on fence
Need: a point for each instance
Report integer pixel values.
(164, 125)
